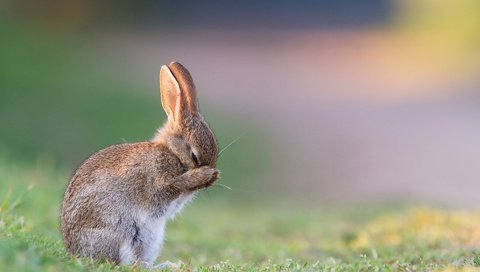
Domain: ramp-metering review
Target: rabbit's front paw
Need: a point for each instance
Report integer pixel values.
(202, 177)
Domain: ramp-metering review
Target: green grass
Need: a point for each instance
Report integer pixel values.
(221, 232)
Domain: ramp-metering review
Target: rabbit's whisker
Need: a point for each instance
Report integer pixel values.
(223, 185)
(231, 143)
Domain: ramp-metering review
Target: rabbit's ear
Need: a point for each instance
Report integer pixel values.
(171, 94)
(186, 84)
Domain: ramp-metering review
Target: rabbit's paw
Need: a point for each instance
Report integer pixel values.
(202, 177)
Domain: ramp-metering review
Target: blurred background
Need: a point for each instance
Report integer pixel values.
(336, 102)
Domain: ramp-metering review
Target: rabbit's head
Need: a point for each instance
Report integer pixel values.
(185, 133)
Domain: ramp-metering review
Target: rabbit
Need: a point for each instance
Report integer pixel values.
(118, 201)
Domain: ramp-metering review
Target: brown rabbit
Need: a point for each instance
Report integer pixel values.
(118, 201)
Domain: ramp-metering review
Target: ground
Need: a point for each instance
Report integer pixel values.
(218, 234)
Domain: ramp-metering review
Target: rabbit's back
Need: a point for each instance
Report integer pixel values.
(112, 195)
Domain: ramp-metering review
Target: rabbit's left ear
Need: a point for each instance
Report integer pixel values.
(171, 95)
(186, 85)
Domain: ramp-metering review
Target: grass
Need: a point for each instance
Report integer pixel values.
(222, 232)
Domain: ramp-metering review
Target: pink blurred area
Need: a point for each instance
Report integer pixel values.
(377, 112)
(359, 115)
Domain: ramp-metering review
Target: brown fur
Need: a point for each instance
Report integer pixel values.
(108, 190)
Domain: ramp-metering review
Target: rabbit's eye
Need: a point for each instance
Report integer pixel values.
(194, 158)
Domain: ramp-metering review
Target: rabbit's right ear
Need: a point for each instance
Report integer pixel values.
(185, 82)
(171, 94)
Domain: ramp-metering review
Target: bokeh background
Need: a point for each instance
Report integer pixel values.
(336, 102)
